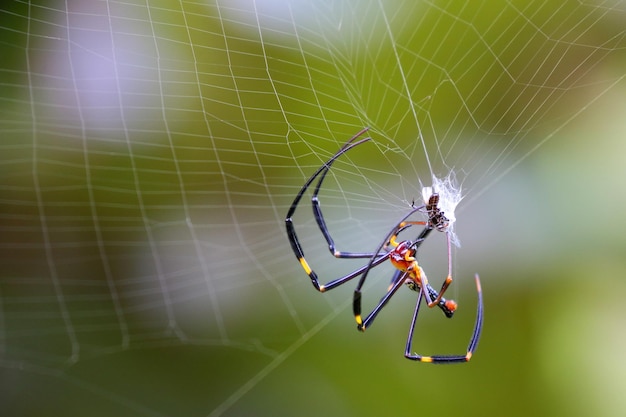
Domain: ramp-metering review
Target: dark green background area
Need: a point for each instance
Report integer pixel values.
(149, 152)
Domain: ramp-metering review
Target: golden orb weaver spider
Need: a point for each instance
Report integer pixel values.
(401, 255)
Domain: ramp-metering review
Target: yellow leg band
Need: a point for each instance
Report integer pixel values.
(305, 266)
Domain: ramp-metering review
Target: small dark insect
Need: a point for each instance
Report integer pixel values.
(402, 257)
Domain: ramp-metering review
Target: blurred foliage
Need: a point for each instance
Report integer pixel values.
(150, 151)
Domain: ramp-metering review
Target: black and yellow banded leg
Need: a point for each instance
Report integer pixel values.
(356, 304)
(478, 325)
(293, 237)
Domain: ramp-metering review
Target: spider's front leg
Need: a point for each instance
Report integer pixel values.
(356, 305)
(376, 258)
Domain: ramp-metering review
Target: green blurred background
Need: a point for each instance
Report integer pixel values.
(150, 151)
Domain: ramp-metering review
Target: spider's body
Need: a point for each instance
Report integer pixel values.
(402, 255)
(403, 258)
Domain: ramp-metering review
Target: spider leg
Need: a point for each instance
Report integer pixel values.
(446, 283)
(396, 276)
(356, 300)
(418, 280)
(337, 282)
(319, 217)
(364, 324)
(375, 258)
(478, 325)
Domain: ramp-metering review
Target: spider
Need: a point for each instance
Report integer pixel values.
(401, 254)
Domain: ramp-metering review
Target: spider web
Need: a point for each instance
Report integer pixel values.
(150, 151)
